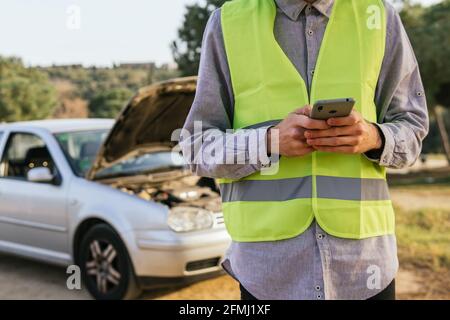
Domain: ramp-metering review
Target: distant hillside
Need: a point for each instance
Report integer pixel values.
(81, 90)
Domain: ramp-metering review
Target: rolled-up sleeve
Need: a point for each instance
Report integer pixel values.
(209, 145)
(400, 99)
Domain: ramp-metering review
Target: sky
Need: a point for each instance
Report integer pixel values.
(91, 32)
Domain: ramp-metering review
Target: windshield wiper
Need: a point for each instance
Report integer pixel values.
(140, 172)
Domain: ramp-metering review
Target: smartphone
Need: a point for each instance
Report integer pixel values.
(334, 108)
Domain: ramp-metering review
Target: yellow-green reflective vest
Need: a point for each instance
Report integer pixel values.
(346, 194)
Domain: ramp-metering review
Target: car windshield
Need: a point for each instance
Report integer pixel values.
(147, 163)
(81, 148)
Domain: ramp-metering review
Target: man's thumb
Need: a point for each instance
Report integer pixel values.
(303, 111)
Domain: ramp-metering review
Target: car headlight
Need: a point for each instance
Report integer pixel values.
(184, 219)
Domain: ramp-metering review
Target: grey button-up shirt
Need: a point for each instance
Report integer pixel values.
(313, 265)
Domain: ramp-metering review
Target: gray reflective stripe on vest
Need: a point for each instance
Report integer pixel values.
(301, 188)
(269, 123)
(267, 190)
(352, 188)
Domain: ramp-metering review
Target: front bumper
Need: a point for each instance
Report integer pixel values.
(166, 254)
(165, 282)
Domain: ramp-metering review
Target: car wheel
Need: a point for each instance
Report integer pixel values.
(106, 268)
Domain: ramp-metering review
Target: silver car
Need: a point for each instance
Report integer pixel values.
(112, 197)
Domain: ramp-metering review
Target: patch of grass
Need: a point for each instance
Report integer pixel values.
(411, 180)
(424, 239)
(438, 186)
(441, 187)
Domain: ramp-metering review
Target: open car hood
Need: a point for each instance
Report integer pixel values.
(147, 122)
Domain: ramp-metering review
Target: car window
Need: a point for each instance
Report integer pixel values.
(81, 148)
(24, 152)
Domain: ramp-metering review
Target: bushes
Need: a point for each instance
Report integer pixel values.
(107, 104)
(25, 93)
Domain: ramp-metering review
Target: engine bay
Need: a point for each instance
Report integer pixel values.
(193, 191)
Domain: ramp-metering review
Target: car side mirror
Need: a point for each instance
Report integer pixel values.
(40, 175)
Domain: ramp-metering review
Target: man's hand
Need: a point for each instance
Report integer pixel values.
(291, 133)
(351, 135)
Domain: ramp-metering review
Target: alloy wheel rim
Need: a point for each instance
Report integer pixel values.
(102, 266)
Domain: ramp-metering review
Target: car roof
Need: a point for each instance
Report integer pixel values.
(62, 125)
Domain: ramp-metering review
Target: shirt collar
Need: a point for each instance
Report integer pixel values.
(293, 8)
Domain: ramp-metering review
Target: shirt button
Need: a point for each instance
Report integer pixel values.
(310, 32)
(320, 236)
(318, 288)
(312, 72)
(319, 296)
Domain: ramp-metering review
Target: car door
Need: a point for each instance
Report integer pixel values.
(32, 215)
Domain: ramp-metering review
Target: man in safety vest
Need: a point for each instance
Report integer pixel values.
(306, 201)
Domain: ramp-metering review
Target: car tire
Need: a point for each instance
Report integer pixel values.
(106, 268)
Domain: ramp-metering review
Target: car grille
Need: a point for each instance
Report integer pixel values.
(202, 264)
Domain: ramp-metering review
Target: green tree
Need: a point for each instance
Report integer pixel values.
(25, 93)
(186, 49)
(107, 104)
(429, 29)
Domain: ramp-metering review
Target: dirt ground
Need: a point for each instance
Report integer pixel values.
(24, 279)
(432, 197)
